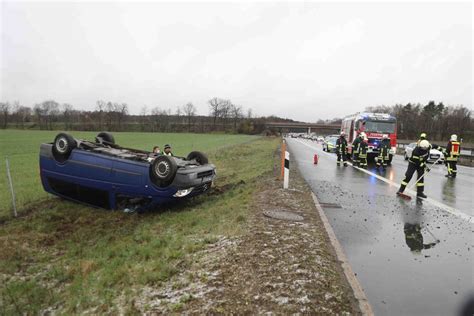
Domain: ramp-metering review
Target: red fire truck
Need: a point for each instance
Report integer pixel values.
(374, 125)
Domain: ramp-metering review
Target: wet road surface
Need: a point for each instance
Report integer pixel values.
(392, 244)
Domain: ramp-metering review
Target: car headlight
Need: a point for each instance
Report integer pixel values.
(183, 193)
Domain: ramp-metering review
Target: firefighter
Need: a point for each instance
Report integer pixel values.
(422, 137)
(432, 146)
(453, 149)
(384, 152)
(363, 146)
(355, 148)
(341, 149)
(417, 162)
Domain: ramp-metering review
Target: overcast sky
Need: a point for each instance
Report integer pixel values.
(304, 61)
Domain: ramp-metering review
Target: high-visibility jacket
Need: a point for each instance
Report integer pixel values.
(384, 148)
(363, 146)
(341, 145)
(419, 156)
(453, 149)
(356, 145)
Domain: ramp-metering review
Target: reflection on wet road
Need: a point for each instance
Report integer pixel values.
(411, 257)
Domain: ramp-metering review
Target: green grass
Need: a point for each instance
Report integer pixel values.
(22, 148)
(74, 258)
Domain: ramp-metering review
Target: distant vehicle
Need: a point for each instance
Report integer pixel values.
(375, 126)
(104, 174)
(434, 153)
(329, 144)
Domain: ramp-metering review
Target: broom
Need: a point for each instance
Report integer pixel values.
(406, 196)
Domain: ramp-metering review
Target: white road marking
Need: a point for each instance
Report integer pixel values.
(440, 205)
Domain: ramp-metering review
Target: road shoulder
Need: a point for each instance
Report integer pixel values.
(275, 266)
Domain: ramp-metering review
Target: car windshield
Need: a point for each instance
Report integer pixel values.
(380, 127)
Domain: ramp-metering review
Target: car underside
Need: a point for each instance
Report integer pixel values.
(105, 174)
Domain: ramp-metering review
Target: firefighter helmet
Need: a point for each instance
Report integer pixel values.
(423, 136)
(384, 136)
(362, 134)
(454, 138)
(343, 134)
(424, 144)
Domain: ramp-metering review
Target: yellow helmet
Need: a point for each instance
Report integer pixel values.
(454, 138)
(423, 135)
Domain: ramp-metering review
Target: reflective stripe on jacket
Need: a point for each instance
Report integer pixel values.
(453, 150)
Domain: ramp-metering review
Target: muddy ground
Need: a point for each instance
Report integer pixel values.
(277, 266)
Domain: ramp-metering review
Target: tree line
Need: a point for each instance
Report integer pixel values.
(224, 116)
(436, 119)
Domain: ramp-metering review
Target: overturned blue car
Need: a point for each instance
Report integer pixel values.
(104, 174)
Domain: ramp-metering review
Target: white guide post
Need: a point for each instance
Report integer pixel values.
(10, 182)
(286, 176)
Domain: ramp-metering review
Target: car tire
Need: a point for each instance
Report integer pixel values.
(163, 170)
(63, 146)
(106, 136)
(199, 157)
(405, 156)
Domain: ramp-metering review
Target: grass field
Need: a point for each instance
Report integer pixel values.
(22, 148)
(71, 258)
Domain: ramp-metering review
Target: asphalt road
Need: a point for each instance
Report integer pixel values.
(411, 257)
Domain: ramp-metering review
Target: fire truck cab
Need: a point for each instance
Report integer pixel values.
(375, 126)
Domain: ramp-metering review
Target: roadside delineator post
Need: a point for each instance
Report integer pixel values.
(282, 151)
(11, 188)
(286, 177)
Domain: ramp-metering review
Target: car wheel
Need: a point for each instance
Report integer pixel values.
(199, 157)
(163, 170)
(106, 136)
(406, 157)
(63, 146)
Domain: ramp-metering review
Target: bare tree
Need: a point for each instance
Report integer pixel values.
(236, 111)
(121, 110)
(109, 115)
(215, 106)
(67, 115)
(249, 113)
(189, 111)
(100, 106)
(155, 124)
(46, 113)
(4, 110)
(178, 111)
(225, 112)
(160, 119)
(21, 114)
